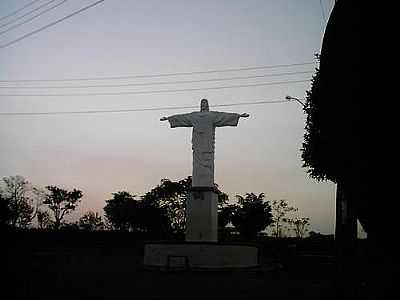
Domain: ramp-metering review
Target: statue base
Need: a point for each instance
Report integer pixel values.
(199, 256)
(202, 215)
(201, 249)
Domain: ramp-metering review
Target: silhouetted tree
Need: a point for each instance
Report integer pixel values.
(171, 197)
(223, 198)
(121, 210)
(61, 202)
(26, 214)
(300, 226)
(314, 234)
(44, 219)
(331, 146)
(22, 200)
(91, 221)
(251, 215)
(225, 214)
(312, 157)
(5, 212)
(153, 219)
(280, 211)
(69, 226)
(332, 142)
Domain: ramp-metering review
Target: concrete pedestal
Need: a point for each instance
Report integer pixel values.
(202, 215)
(199, 256)
(201, 250)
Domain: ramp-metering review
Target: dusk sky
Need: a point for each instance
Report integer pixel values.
(102, 153)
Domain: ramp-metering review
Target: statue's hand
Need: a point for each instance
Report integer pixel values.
(244, 115)
(164, 119)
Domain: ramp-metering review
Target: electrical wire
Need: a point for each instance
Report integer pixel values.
(155, 83)
(155, 91)
(18, 10)
(138, 109)
(32, 18)
(27, 14)
(50, 24)
(166, 74)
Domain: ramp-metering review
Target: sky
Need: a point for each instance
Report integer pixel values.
(102, 153)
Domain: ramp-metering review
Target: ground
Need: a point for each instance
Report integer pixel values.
(110, 266)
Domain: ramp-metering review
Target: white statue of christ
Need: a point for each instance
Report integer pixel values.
(203, 138)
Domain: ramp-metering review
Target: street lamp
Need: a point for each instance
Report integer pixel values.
(294, 98)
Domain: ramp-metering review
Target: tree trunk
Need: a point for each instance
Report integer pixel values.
(346, 244)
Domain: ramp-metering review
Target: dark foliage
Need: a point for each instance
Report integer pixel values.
(251, 215)
(120, 210)
(61, 202)
(124, 212)
(225, 214)
(91, 221)
(170, 197)
(19, 197)
(5, 211)
(331, 148)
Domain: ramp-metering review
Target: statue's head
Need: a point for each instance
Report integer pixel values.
(204, 105)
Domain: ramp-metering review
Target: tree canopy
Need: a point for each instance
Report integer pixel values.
(61, 202)
(280, 211)
(159, 213)
(171, 196)
(91, 221)
(19, 201)
(332, 139)
(120, 210)
(124, 212)
(331, 148)
(251, 214)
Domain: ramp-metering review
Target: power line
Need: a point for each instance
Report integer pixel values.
(18, 10)
(50, 24)
(34, 17)
(154, 91)
(155, 83)
(165, 74)
(26, 14)
(138, 109)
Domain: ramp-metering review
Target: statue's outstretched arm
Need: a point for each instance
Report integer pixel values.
(181, 120)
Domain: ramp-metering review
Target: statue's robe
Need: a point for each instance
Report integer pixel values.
(203, 140)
